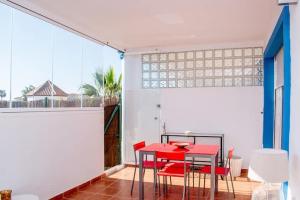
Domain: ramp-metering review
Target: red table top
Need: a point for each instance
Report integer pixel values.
(203, 149)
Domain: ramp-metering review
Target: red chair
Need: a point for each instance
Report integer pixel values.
(146, 163)
(173, 141)
(174, 169)
(219, 171)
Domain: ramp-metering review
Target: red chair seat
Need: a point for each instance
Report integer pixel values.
(150, 164)
(174, 169)
(218, 170)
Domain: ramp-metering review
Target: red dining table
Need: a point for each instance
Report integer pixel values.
(191, 151)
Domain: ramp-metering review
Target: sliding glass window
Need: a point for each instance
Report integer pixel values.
(45, 66)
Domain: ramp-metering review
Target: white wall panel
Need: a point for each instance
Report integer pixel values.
(47, 153)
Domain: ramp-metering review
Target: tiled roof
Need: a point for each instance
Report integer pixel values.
(46, 90)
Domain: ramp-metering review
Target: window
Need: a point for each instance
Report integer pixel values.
(44, 66)
(239, 67)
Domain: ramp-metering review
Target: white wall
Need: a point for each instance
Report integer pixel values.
(294, 182)
(47, 153)
(236, 112)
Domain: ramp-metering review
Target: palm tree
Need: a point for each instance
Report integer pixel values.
(112, 88)
(91, 90)
(2, 94)
(26, 90)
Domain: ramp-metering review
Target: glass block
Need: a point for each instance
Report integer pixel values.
(227, 72)
(180, 65)
(163, 84)
(154, 84)
(248, 71)
(146, 75)
(190, 55)
(218, 82)
(238, 72)
(154, 66)
(172, 83)
(163, 75)
(154, 57)
(227, 53)
(180, 83)
(208, 63)
(218, 53)
(208, 54)
(189, 74)
(228, 62)
(258, 71)
(258, 81)
(228, 82)
(258, 61)
(172, 56)
(163, 66)
(190, 64)
(218, 63)
(248, 52)
(238, 52)
(180, 74)
(154, 75)
(199, 55)
(199, 73)
(208, 72)
(218, 72)
(172, 65)
(248, 62)
(248, 81)
(199, 64)
(146, 84)
(180, 56)
(237, 62)
(163, 57)
(172, 74)
(199, 82)
(208, 82)
(258, 51)
(238, 82)
(146, 58)
(146, 67)
(189, 83)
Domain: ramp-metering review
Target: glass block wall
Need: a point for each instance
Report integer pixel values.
(235, 67)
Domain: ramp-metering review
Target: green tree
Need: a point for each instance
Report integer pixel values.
(26, 90)
(94, 90)
(2, 94)
(107, 84)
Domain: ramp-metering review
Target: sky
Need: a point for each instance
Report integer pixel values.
(36, 47)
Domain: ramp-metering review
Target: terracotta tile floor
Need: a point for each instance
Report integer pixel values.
(117, 187)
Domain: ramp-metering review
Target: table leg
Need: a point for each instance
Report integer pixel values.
(216, 179)
(141, 181)
(212, 177)
(184, 172)
(155, 176)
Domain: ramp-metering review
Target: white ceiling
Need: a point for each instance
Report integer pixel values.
(140, 24)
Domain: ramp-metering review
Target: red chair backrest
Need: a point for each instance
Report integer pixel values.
(176, 155)
(173, 141)
(139, 145)
(230, 153)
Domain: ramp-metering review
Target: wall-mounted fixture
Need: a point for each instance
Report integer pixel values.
(285, 2)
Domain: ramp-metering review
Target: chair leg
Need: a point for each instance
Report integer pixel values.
(158, 177)
(199, 186)
(226, 183)
(132, 184)
(204, 185)
(232, 184)
(170, 180)
(144, 172)
(188, 188)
